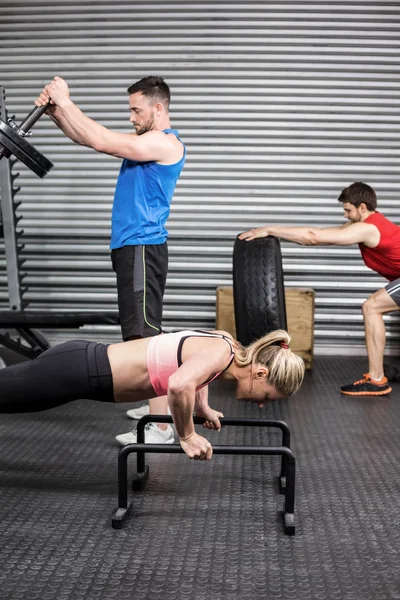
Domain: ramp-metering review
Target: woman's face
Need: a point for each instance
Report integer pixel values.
(256, 388)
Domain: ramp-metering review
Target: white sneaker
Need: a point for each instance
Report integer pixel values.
(152, 435)
(138, 413)
(2, 363)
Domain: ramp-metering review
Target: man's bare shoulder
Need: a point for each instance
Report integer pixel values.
(161, 139)
(157, 134)
(360, 225)
(368, 233)
(364, 226)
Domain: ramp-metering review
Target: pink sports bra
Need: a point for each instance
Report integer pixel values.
(164, 357)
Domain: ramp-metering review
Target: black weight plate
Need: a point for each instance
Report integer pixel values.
(23, 150)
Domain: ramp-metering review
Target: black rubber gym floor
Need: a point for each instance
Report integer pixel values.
(207, 531)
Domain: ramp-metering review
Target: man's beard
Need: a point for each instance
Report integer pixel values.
(145, 127)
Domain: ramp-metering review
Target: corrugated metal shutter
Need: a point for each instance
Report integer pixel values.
(281, 104)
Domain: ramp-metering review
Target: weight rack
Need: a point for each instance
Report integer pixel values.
(10, 220)
(29, 342)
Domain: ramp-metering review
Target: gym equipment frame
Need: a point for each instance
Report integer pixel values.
(29, 342)
(286, 477)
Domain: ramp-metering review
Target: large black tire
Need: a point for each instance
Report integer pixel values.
(258, 288)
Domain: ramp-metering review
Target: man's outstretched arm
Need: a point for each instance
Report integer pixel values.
(344, 235)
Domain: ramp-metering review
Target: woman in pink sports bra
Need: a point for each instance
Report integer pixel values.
(179, 365)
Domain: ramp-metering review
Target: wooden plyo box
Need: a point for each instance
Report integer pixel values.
(300, 318)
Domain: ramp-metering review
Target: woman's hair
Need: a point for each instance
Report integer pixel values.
(285, 369)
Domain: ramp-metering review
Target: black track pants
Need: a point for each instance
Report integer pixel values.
(69, 371)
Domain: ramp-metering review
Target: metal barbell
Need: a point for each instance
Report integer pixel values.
(13, 142)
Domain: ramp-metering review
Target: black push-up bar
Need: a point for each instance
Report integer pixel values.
(287, 475)
(143, 471)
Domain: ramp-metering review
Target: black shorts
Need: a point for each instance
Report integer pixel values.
(141, 276)
(393, 289)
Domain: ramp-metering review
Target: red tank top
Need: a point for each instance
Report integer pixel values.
(385, 258)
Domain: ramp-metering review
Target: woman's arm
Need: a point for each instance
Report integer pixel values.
(181, 403)
(196, 369)
(203, 410)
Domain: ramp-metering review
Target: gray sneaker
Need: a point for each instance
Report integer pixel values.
(2, 363)
(152, 435)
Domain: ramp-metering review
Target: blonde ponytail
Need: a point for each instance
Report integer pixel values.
(285, 369)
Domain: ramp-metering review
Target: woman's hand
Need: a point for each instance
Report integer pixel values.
(211, 416)
(196, 447)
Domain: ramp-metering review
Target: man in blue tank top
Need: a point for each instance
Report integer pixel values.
(153, 158)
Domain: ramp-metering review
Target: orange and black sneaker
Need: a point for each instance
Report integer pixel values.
(367, 387)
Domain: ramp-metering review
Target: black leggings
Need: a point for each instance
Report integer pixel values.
(69, 371)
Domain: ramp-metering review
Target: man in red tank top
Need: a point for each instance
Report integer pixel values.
(379, 243)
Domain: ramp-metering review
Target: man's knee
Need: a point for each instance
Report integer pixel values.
(376, 305)
(368, 306)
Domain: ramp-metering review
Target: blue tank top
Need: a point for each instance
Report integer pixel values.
(142, 201)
